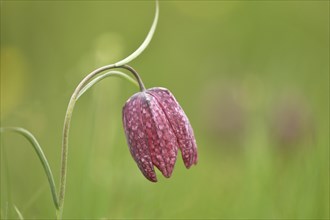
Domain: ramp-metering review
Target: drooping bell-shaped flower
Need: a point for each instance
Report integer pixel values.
(156, 127)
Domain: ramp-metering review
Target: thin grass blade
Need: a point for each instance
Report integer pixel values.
(20, 216)
(29, 136)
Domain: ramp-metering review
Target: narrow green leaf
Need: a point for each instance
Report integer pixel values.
(29, 136)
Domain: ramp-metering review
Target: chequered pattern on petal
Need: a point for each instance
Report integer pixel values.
(136, 136)
(162, 141)
(155, 126)
(180, 124)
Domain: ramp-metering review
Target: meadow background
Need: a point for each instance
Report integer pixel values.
(252, 76)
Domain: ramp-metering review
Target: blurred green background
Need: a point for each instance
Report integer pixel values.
(252, 76)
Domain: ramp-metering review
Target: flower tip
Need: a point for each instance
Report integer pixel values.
(196, 159)
(189, 163)
(151, 178)
(154, 180)
(168, 175)
(196, 162)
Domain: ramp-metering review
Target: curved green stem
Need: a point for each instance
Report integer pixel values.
(146, 41)
(67, 120)
(65, 138)
(41, 156)
(105, 75)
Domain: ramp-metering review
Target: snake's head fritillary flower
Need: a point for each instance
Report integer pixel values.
(156, 127)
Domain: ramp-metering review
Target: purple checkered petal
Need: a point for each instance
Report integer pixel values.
(162, 141)
(155, 126)
(179, 123)
(136, 136)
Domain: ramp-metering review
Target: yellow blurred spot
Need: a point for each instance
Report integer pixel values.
(108, 48)
(13, 72)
